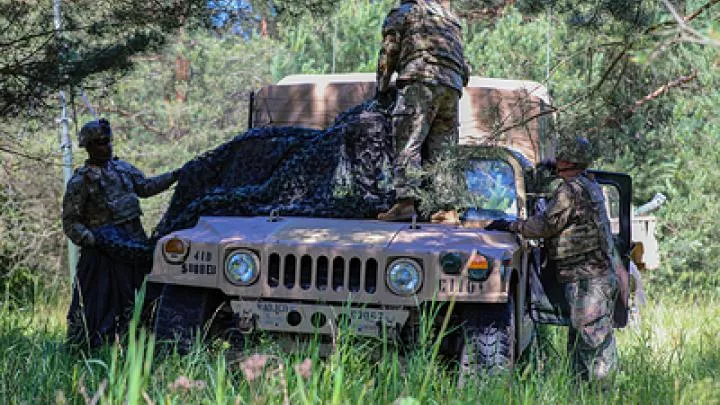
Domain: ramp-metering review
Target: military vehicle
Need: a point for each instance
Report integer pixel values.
(297, 276)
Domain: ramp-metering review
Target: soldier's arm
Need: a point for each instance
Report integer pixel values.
(389, 49)
(150, 186)
(73, 204)
(552, 220)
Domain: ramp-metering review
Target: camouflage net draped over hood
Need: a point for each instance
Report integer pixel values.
(340, 172)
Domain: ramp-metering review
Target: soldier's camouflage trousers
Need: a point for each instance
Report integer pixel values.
(591, 342)
(424, 113)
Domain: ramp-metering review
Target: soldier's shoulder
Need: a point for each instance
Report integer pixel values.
(564, 186)
(566, 190)
(79, 178)
(124, 166)
(584, 181)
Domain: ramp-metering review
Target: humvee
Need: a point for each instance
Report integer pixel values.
(296, 276)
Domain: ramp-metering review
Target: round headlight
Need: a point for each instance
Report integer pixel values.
(404, 277)
(242, 267)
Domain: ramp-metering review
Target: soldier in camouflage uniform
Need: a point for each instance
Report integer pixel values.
(104, 192)
(579, 243)
(422, 43)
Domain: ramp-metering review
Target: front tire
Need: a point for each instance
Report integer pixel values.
(181, 315)
(489, 332)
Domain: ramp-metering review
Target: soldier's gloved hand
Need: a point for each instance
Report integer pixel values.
(87, 240)
(499, 225)
(384, 99)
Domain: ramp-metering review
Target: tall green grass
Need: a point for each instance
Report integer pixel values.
(672, 355)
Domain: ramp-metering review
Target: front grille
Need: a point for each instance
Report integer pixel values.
(322, 273)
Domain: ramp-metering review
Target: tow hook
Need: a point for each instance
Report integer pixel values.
(246, 324)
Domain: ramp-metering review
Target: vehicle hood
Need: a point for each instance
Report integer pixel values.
(348, 233)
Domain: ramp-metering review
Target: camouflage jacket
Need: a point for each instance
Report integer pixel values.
(422, 42)
(576, 230)
(97, 196)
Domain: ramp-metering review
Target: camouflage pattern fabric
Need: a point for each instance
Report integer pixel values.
(342, 172)
(576, 230)
(423, 114)
(422, 43)
(591, 341)
(108, 195)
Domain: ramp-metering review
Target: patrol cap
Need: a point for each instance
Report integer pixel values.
(576, 150)
(97, 129)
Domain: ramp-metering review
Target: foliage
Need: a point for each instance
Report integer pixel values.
(97, 37)
(671, 356)
(346, 41)
(684, 154)
(32, 240)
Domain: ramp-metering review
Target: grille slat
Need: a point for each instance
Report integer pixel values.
(338, 274)
(354, 275)
(321, 273)
(289, 271)
(305, 270)
(274, 270)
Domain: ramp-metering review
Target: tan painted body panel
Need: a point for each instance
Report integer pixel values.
(365, 241)
(514, 106)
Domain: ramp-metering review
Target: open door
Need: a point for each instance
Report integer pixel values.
(617, 188)
(547, 303)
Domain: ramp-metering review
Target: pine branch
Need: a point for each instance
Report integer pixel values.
(24, 155)
(661, 90)
(613, 120)
(700, 10)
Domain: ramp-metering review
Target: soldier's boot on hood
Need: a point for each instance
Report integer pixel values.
(403, 210)
(445, 217)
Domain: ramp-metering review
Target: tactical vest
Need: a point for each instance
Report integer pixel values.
(432, 41)
(112, 193)
(589, 228)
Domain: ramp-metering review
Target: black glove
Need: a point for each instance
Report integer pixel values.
(499, 225)
(88, 239)
(384, 99)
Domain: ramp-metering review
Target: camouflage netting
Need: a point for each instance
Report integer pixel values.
(342, 172)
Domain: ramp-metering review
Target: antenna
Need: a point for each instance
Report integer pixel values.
(65, 141)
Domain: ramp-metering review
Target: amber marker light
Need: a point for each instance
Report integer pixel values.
(175, 250)
(478, 262)
(478, 267)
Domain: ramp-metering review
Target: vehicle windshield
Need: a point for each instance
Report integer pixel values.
(491, 183)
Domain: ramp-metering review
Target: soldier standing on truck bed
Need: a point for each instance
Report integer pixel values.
(104, 192)
(422, 43)
(579, 244)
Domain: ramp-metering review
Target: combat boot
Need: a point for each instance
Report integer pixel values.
(403, 210)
